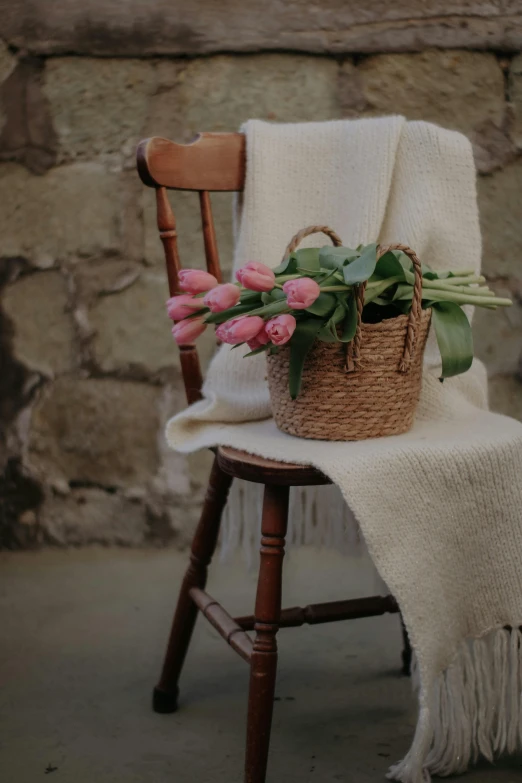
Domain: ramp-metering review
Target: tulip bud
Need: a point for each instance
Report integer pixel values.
(280, 329)
(301, 293)
(222, 297)
(179, 307)
(240, 330)
(195, 281)
(185, 332)
(256, 276)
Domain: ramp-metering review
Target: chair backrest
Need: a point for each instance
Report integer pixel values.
(212, 162)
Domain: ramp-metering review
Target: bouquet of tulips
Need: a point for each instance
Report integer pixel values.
(311, 295)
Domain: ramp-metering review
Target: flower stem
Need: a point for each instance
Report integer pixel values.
(478, 291)
(465, 298)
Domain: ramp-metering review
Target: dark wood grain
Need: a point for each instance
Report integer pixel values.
(330, 612)
(209, 236)
(250, 467)
(227, 627)
(267, 612)
(203, 546)
(169, 238)
(213, 161)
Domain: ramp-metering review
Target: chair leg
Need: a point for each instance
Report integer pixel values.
(406, 651)
(165, 695)
(267, 613)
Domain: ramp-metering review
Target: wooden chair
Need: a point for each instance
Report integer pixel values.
(216, 162)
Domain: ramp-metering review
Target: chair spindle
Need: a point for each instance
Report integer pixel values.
(189, 359)
(168, 235)
(209, 235)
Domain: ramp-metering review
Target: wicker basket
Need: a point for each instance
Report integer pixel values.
(368, 390)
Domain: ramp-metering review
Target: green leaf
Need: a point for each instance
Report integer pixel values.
(302, 339)
(323, 305)
(338, 314)
(386, 288)
(274, 308)
(389, 265)
(454, 338)
(261, 349)
(226, 315)
(403, 292)
(328, 334)
(363, 267)
(350, 321)
(288, 266)
(335, 257)
(307, 259)
(274, 295)
(250, 297)
(429, 274)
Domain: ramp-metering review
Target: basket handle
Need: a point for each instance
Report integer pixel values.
(354, 347)
(297, 238)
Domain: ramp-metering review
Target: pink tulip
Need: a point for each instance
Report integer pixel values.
(240, 330)
(260, 339)
(195, 281)
(222, 297)
(185, 332)
(179, 307)
(280, 329)
(301, 293)
(256, 276)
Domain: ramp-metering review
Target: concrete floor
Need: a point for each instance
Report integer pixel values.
(83, 634)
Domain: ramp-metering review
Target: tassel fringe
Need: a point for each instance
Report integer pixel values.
(318, 516)
(474, 709)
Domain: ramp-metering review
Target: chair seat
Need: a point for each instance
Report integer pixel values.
(241, 464)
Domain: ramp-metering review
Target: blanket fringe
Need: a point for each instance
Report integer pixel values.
(474, 709)
(318, 516)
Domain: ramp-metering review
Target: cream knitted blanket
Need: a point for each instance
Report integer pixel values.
(441, 506)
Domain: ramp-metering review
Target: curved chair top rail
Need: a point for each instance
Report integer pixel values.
(211, 162)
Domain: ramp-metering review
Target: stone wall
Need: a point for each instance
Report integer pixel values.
(88, 369)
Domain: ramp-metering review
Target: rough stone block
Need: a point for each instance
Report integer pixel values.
(99, 106)
(515, 98)
(28, 135)
(92, 516)
(71, 211)
(455, 89)
(7, 62)
(220, 93)
(99, 277)
(500, 217)
(498, 333)
(132, 328)
(505, 395)
(139, 28)
(493, 147)
(97, 431)
(37, 305)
